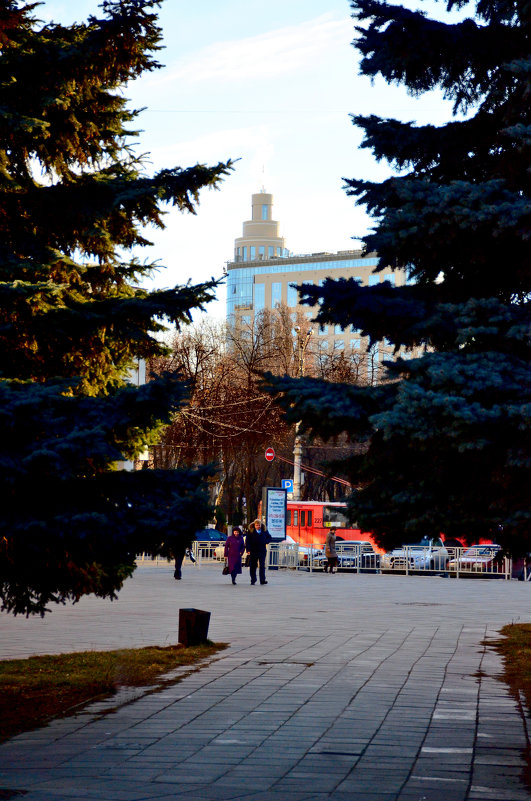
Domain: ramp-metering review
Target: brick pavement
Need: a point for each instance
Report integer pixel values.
(334, 688)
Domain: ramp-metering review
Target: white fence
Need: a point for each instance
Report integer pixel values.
(411, 560)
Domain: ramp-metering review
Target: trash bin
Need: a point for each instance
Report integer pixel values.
(193, 626)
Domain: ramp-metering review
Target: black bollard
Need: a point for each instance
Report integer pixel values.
(193, 626)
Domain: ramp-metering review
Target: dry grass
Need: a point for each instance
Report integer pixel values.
(516, 651)
(36, 690)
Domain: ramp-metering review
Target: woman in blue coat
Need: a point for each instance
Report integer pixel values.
(234, 547)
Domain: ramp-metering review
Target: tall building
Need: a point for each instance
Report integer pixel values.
(264, 273)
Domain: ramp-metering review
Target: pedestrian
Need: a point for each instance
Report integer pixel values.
(256, 544)
(182, 548)
(179, 551)
(330, 551)
(234, 548)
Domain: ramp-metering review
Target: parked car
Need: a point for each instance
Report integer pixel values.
(477, 558)
(429, 555)
(209, 539)
(349, 553)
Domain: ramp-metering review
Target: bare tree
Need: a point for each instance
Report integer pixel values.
(230, 422)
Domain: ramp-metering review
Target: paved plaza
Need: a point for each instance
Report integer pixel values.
(334, 688)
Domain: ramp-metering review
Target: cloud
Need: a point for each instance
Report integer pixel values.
(269, 54)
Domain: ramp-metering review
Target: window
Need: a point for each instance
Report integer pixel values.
(292, 295)
(265, 215)
(270, 251)
(374, 280)
(310, 515)
(259, 297)
(244, 250)
(295, 517)
(261, 252)
(338, 329)
(390, 277)
(252, 252)
(355, 344)
(339, 344)
(334, 516)
(288, 517)
(323, 330)
(276, 294)
(303, 518)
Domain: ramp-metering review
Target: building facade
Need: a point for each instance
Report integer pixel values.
(264, 273)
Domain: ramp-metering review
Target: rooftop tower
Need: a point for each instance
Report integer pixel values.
(260, 238)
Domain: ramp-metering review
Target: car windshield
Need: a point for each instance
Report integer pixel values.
(480, 550)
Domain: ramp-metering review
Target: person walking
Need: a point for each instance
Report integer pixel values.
(234, 547)
(256, 544)
(179, 551)
(330, 551)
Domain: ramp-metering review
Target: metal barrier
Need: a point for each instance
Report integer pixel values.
(414, 560)
(351, 557)
(476, 561)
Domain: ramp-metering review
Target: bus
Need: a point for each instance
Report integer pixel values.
(307, 523)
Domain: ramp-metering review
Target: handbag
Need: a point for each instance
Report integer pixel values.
(225, 570)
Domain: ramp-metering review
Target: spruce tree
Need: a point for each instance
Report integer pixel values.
(447, 434)
(74, 202)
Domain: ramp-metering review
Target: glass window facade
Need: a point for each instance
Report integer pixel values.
(261, 252)
(390, 277)
(276, 294)
(252, 252)
(270, 251)
(355, 344)
(373, 280)
(259, 297)
(240, 279)
(292, 295)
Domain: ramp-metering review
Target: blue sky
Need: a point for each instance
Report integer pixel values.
(271, 84)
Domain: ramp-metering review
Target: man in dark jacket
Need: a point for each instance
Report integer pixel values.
(256, 546)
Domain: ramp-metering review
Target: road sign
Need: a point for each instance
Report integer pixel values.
(287, 484)
(270, 454)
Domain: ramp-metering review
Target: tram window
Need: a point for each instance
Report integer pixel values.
(335, 516)
(310, 513)
(288, 517)
(303, 517)
(295, 517)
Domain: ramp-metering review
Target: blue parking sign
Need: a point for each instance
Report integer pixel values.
(287, 484)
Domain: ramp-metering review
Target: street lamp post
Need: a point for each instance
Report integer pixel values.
(302, 344)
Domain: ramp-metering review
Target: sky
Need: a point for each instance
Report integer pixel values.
(271, 85)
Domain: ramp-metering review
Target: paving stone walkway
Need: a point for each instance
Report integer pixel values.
(334, 688)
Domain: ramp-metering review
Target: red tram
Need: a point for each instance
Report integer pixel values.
(308, 521)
